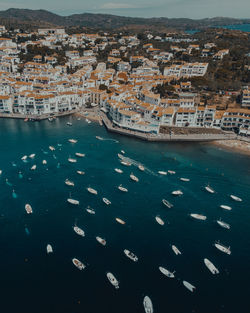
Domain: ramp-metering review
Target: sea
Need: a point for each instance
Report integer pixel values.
(242, 27)
(33, 281)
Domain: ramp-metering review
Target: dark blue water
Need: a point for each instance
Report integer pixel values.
(34, 282)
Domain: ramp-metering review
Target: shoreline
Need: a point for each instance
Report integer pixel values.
(236, 146)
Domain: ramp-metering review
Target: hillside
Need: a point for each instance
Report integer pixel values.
(43, 18)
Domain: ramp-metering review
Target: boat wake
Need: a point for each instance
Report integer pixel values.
(106, 139)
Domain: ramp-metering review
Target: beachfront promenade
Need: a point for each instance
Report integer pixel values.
(166, 137)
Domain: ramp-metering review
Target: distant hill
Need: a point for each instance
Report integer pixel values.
(43, 18)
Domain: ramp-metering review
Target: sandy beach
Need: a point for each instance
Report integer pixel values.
(238, 146)
(90, 115)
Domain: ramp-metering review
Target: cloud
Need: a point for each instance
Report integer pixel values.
(115, 6)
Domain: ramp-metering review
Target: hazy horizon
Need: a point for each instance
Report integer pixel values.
(195, 9)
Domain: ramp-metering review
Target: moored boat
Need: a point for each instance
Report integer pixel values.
(166, 272)
(223, 224)
(148, 305)
(226, 207)
(24, 158)
(177, 193)
(159, 220)
(80, 155)
(171, 172)
(90, 210)
(122, 188)
(91, 190)
(198, 216)
(130, 255)
(222, 248)
(189, 286)
(113, 280)
(209, 189)
(126, 163)
(184, 179)
(72, 140)
(33, 167)
(78, 264)
(101, 240)
(211, 267)
(235, 198)
(106, 201)
(69, 124)
(167, 203)
(176, 250)
(99, 138)
(52, 148)
(133, 177)
(31, 156)
(44, 162)
(119, 220)
(79, 231)
(141, 167)
(162, 173)
(118, 170)
(49, 249)
(28, 208)
(71, 160)
(73, 201)
(80, 172)
(69, 182)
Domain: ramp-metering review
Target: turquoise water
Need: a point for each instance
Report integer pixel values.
(34, 282)
(242, 27)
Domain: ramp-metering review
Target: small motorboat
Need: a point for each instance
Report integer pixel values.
(209, 189)
(177, 193)
(159, 220)
(226, 207)
(90, 210)
(119, 220)
(80, 172)
(69, 182)
(73, 201)
(80, 155)
(99, 138)
(52, 148)
(189, 286)
(184, 179)
(130, 255)
(171, 172)
(113, 280)
(24, 158)
(167, 203)
(1, 172)
(198, 216)
(118, 170)
(166, 272)
(106, 201)
(162, 173)
(133, 177)
(211, 267)
(122, 188)
(235, 198)
(28, 208)
(69, 124)
(122, 151)
(31, 156)
(71, 160)
(33, 167)
(79, 231)
(176, 250)
(91, 190)
(49, 249)
(126, 163)
(101, 241)
(223, 224)
(222, 248)
(72, 140)
(44, 162)
(148, 305)
(141, 167)
(78, 264)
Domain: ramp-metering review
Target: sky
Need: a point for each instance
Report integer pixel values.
(141, 8)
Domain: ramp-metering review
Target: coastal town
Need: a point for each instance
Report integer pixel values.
(133, 83)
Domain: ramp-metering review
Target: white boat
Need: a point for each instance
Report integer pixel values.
(24, 158)
(223, 224)
(211, 267)
(52, 148)
(141, 167)
(162, 173)
(113, 280)
(184, 179)
(89, 210)
(198, 216)
(78, 264)
(99, 138)
(176, 250)
(226, 207)
(72, 160)
(166, 272)
(148, 305)
(80, 172)
(119, 220)
(177, 193)
(130, 255)
(171, 172)
(33, 167)
(209, 189)
(159, 220)
(167, 203)
(80, 155)
(189, 286)
(118, 170)
(101, 240)
(122, 188)
(235, 198)
(91, 190)
(73, 201)
(106, 201)
(32, 155)
(72, 140)
(133, 177)
(126, 163)
(49, 249)
(1, 172)
(44, 162)
(69, 124)
(79, 231)
(122, 151)
(28, 208)
(222, 248)
(69, 183)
